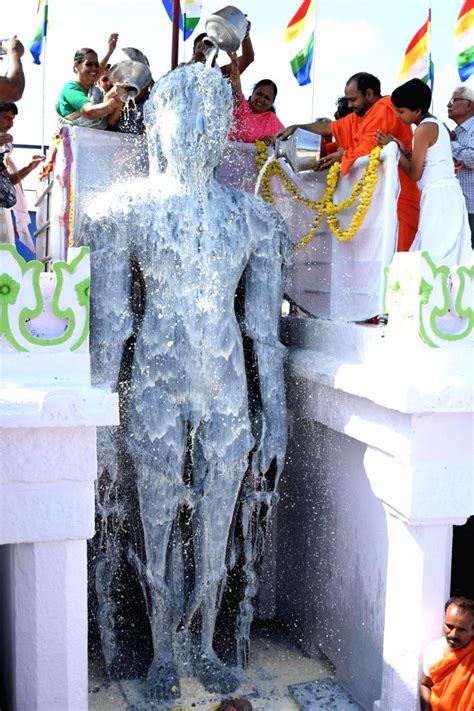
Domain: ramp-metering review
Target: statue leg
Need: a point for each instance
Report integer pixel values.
(213, 518)
(160, 496)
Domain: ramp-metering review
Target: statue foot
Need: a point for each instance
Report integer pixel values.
(214, 676)
(162, 683)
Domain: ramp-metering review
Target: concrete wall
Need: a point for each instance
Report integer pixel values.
(332, 568)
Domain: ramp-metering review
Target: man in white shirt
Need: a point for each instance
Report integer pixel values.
(461, 111)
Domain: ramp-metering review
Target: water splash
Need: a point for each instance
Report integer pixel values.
(167, 255)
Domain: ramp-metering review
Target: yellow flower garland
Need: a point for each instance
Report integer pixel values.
(363, 189)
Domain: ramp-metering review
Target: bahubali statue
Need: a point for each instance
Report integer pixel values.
(182, 241)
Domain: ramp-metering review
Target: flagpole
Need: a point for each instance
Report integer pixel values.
(430, 54)
(314, 66)
(175, 34)
(43, 102)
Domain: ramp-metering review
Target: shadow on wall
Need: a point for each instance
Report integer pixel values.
(332, 556)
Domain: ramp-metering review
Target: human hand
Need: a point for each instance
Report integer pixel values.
(329, 160)
(285, 132)
(249, 27)
(13, 46)
(112, 41)
(118, 92)
(36, 160)
(5, 138)
(382, 138)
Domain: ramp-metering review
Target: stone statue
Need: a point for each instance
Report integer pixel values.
(188, 431)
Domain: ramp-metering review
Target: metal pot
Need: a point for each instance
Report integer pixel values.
(301, 150)
(226, 28)
(135, 75)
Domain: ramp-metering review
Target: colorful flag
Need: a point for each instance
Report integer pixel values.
(187, 19)
(36, 45)
(464, 40)
(299, 35)
(417, 63)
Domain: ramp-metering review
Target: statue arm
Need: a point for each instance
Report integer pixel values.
(111, 311)
(263, 298)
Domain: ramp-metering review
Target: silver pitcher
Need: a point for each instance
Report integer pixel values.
(134, 75)
(226, 28)
(301, 150)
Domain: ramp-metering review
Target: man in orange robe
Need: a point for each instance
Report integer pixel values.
(448, 663)
(355, 137)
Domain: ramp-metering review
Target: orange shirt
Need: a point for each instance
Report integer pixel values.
(356, 135)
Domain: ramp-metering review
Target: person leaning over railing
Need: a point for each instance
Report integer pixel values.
(254, 119)
(75, 107)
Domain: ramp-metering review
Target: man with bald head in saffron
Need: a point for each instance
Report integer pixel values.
(355, 136)
(447, 683)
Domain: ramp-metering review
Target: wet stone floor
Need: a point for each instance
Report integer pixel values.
(274, 664)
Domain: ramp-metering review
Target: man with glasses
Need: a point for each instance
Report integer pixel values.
(461, 111)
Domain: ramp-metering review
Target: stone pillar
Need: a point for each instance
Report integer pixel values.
(418, 581)
(49, 618)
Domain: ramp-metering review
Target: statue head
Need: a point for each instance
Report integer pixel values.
(188, 117)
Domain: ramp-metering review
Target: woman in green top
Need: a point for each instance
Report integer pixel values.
(74, 105)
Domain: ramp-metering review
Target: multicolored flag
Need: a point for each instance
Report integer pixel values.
(417, 63)
(36, 45)
(187, 19)
(464, 40)
(299, 35)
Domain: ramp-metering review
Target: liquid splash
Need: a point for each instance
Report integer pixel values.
(187, 482)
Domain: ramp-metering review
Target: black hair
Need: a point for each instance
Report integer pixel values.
(343, 108)
(266, 82)
(413, 95)
(8, 106)
(365, 81)
(81, 53)
(464, 603)
(197, 39)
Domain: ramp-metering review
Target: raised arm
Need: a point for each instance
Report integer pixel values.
(12, 84)
(234, 77)
(111, 47)
(263, 298)
(246, 58)
(111, 310)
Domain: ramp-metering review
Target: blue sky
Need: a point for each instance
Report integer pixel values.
(351, 36)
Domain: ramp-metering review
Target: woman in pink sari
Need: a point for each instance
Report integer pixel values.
(254, 119)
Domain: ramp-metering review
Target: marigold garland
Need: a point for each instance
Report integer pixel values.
(363, 189)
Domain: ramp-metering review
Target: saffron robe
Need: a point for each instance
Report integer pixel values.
(453, 680)
(356, 135)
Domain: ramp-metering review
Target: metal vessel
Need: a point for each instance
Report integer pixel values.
(226, 28)
(301, 150)
(134, 75)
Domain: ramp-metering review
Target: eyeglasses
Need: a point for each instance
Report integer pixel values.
(92, 64)
(457, 98)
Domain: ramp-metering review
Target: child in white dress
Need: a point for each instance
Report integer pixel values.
(443, 229)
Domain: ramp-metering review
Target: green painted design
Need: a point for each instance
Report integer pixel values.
(82, 290)
(395, 287)
(77, 313)
(430, 314)
(9, 289)
(27, 269)
(425, 291)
